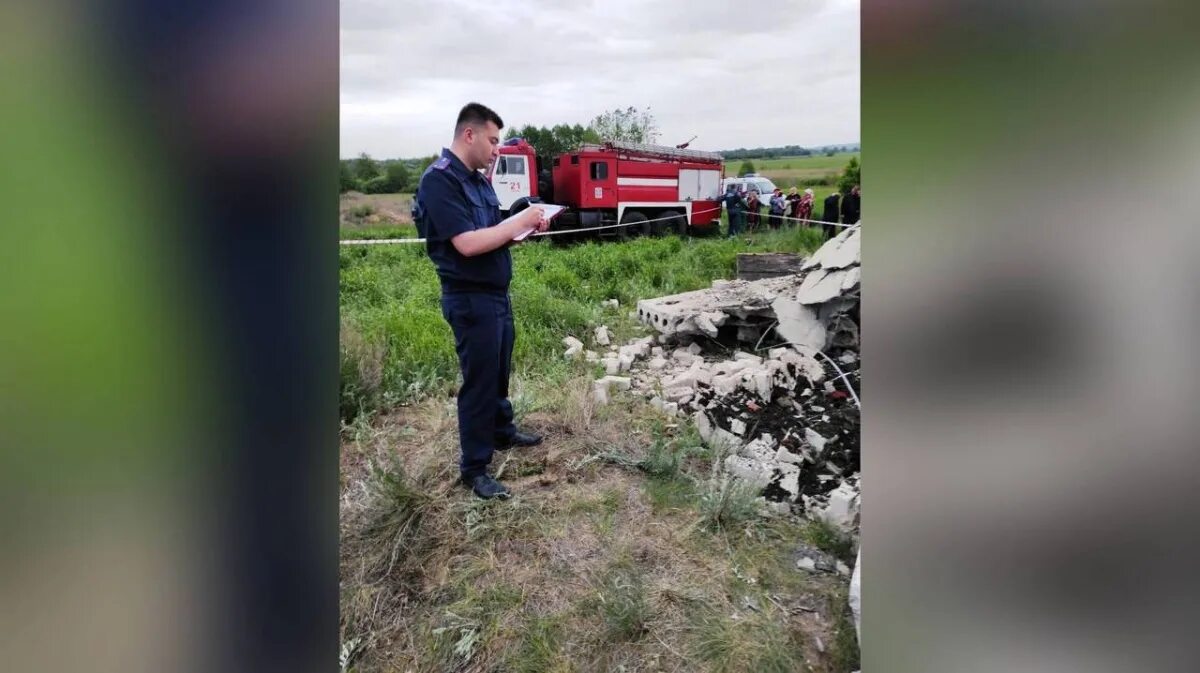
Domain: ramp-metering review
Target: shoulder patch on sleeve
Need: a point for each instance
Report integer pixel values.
(441, 164)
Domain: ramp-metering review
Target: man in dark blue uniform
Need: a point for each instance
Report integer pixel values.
(458, 214)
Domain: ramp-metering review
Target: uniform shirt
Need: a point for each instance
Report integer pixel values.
(733, 202)
(451, 200)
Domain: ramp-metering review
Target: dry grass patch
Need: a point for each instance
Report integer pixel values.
(594, 564)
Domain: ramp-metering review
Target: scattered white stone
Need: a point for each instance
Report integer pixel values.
(694, 348)
(763, 384)
(601, 335)
(683, 356)
(761, 449)
(600, 393)
(573, 352)
(752, 472)
(657, 364)
(843, 568)
(611, 366)
(572, 342)
(786, 457)
(591, 356)
(842, 507)
(806, 563)
(848, 358)
(671, 409)
(657, 352)
(703, 425)
(737, 426)
(790, 481)
(747, 357)
(625, 362)
(657, 403)
(814, 439)
(678, 395)
(618, 382)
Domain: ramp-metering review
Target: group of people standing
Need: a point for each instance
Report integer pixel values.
(745, 209)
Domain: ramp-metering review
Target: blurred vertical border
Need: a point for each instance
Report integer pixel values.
(1030, 312)
(169, 331)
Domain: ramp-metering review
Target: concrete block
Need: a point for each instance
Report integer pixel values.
(750, 471)
(601, 335)
(618, 382)
(737, 426)
(572, 342)
(591, 356)
(611, 366)
(573, 352)
(600, 393)
(657, 364)
(683, 356)
(747, 357)
(694, 348)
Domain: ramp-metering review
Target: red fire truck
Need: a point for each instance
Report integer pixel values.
(655, 189)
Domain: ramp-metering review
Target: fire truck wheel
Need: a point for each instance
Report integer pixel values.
(674, 222)
(638, 225)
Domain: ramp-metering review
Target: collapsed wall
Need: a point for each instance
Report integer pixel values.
(768, 370)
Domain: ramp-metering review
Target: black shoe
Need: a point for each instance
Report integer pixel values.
(520, 439)
(486, 487)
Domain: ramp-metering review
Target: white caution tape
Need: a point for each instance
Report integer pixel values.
(559, 232)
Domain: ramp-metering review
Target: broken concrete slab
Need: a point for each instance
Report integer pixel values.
(846, 253)
(798, 324)
(820, 286)
(825, 255)
(601, 335)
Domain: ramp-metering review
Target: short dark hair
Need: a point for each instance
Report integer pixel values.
(476, 114)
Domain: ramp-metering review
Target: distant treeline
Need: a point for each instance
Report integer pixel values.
(787, 151)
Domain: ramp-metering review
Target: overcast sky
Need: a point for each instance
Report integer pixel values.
(737, 74)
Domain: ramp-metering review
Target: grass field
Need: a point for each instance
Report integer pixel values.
(397, 345)
(796, 171)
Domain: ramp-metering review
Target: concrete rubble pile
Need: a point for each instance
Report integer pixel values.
(740, 359)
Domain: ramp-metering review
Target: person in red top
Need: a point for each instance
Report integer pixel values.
(804, 209)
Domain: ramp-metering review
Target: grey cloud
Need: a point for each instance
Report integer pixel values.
(784, 73)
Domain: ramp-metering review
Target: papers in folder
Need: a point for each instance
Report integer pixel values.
(550, 210)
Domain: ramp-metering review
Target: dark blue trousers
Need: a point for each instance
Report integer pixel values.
(482, 323)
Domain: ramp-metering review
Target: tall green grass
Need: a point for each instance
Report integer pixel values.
(389, 300)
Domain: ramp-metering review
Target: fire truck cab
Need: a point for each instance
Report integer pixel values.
(654, 189)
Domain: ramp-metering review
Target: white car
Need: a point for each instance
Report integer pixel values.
(762, 185)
